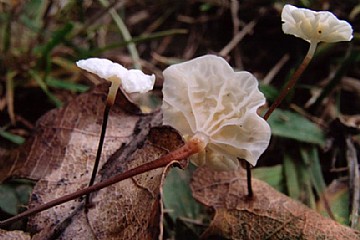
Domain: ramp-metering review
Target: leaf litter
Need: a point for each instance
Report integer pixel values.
(61, 154)
(269, 215)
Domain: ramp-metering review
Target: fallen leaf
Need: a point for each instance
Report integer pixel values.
(61, 155)
(126, 210)
(72, 131)
(337, 193)
(269, 215)
(11, 235)
(294, 126)
(131, 209)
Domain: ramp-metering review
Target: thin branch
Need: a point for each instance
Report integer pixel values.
(191, 147)
(271, 74)
(237, 38)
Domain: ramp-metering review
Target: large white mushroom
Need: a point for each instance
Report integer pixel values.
(205, 99)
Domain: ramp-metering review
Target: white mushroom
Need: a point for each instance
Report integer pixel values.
(205, 99)
(314, 27)
(131, 80)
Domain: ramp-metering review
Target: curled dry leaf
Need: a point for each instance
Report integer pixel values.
(61, 156)
(270, 215)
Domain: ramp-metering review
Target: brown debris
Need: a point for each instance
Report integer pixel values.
(269, 215)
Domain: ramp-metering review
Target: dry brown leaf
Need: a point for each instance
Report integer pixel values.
(127, 210)
(131, 208)
(270, 215)
(62, 152)
(12, 235)
(72, 132)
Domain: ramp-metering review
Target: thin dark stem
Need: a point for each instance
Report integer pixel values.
(249, 183)
(99, 149)
(278, 101)
(292, 81)
(183, 152)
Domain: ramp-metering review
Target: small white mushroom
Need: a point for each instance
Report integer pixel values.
(205, 99)
(131, 80)
(314, 27)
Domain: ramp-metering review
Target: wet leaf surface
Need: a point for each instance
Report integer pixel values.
(269, 215)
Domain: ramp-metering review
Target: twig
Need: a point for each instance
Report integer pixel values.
(191, 147)
(270, 76)
(10, 95)
(237, 38)
(354, 185)
(234, 7)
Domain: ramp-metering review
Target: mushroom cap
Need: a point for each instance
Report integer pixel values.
(205, 96)
(136, 81)
(312, 26)
(102, 67)
(131, 80)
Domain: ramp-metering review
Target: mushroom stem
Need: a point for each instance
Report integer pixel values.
(293, 79)
(249, 183)
(193, 146)
(109, 103)
(115, 84)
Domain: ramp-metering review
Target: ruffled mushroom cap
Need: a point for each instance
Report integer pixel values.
(131, 80)
(205, 98)
(314, 27)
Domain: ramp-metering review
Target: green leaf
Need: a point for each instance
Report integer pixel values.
(23, 192)
(138, 39)
(311, 158)
(12, 137)
(340, 207)
(205, 7)
(292, 125)
(337, 194)
(32, 14)
(178, 199)
(58, 83)
(58, 37)
(8, 199)
(272, 175)
(269, 92)
(291, 176)
(44, 87)
(307, 194)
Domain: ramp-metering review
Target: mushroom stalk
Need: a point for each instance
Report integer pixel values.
(109, 103)
(193, 146)
(131, 80)
(249, 180)
(294, 78)
(115, 84)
